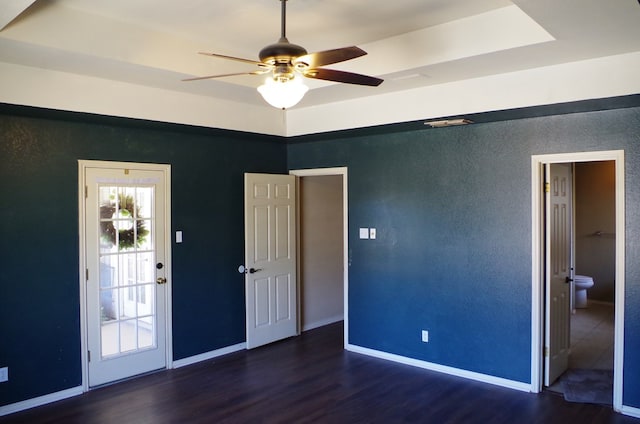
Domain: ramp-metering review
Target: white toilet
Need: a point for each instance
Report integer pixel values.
(581, 283)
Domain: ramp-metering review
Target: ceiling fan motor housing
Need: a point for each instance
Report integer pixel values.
(281, 52)
(281, 56)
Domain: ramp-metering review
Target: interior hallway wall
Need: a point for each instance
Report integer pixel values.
(595, 238)
(321, 265)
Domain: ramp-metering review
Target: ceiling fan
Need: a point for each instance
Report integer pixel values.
(285, 61)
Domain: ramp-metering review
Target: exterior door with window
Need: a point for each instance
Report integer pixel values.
(126, 273)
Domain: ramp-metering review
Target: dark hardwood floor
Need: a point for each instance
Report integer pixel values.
(310, 379)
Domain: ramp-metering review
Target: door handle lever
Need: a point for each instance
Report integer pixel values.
(161, 280)
(568, 280)
(243, 270)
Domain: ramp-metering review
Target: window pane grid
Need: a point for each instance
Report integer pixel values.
(127, 269)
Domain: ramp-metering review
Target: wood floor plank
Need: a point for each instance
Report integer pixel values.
(310, 379)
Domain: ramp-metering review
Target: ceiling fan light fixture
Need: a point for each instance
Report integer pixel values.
(283, 94)
(288, 63)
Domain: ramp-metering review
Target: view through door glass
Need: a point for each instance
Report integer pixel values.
(127, 269)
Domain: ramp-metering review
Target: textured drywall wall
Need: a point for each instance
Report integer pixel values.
(452, 207)
(39, 248)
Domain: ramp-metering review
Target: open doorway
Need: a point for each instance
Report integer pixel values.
(322, 247)
(589, 240)
(596, 332)
(594, 241)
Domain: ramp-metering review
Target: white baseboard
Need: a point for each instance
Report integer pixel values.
(54, 397)
(39, 401)
(208, 355)
(322, 323)
(525, 387)
(484, 378)
(630, 411)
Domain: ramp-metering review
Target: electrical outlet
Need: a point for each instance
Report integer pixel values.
(4, 374)
(425, 336)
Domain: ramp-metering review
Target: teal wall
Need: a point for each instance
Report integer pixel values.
(39, 294)
(453, 253)
(452, 209)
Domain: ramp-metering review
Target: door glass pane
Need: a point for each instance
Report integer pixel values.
(127, 269)
(145, 332)
(128, 335)
(108, 305)
(144, 242)
(108, 234)
(109, 338)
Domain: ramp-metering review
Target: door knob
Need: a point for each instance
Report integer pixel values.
(243, 270)
(161, 280)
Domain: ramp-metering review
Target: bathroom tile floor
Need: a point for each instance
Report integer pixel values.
(592, 339)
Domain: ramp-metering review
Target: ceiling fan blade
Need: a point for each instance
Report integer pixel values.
(237, 59)
(327, 57)
(342, 76)
(227, 75)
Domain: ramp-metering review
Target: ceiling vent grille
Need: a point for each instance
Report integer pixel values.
(448, 123)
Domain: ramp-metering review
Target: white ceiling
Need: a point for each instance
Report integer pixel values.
(437, 57)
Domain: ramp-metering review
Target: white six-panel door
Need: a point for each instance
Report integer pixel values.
(270, 258)
(559, 273)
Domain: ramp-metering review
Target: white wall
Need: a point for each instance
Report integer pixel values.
(321, 247)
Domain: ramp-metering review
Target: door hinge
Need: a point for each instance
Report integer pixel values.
(86, 191)
(547, 187)
(546, 351)
(87, 274)
(89, 355)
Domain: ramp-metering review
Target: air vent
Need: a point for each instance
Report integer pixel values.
(448, 123)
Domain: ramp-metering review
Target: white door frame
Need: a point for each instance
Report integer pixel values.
(537, 263)
(319, 172)
(82, 166)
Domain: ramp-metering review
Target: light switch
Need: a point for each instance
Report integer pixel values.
(178, 236)
(372, 233)
(364, 233)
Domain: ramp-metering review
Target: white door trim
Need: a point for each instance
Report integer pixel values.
(537, 263)
(317, 172)
(82, 166)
